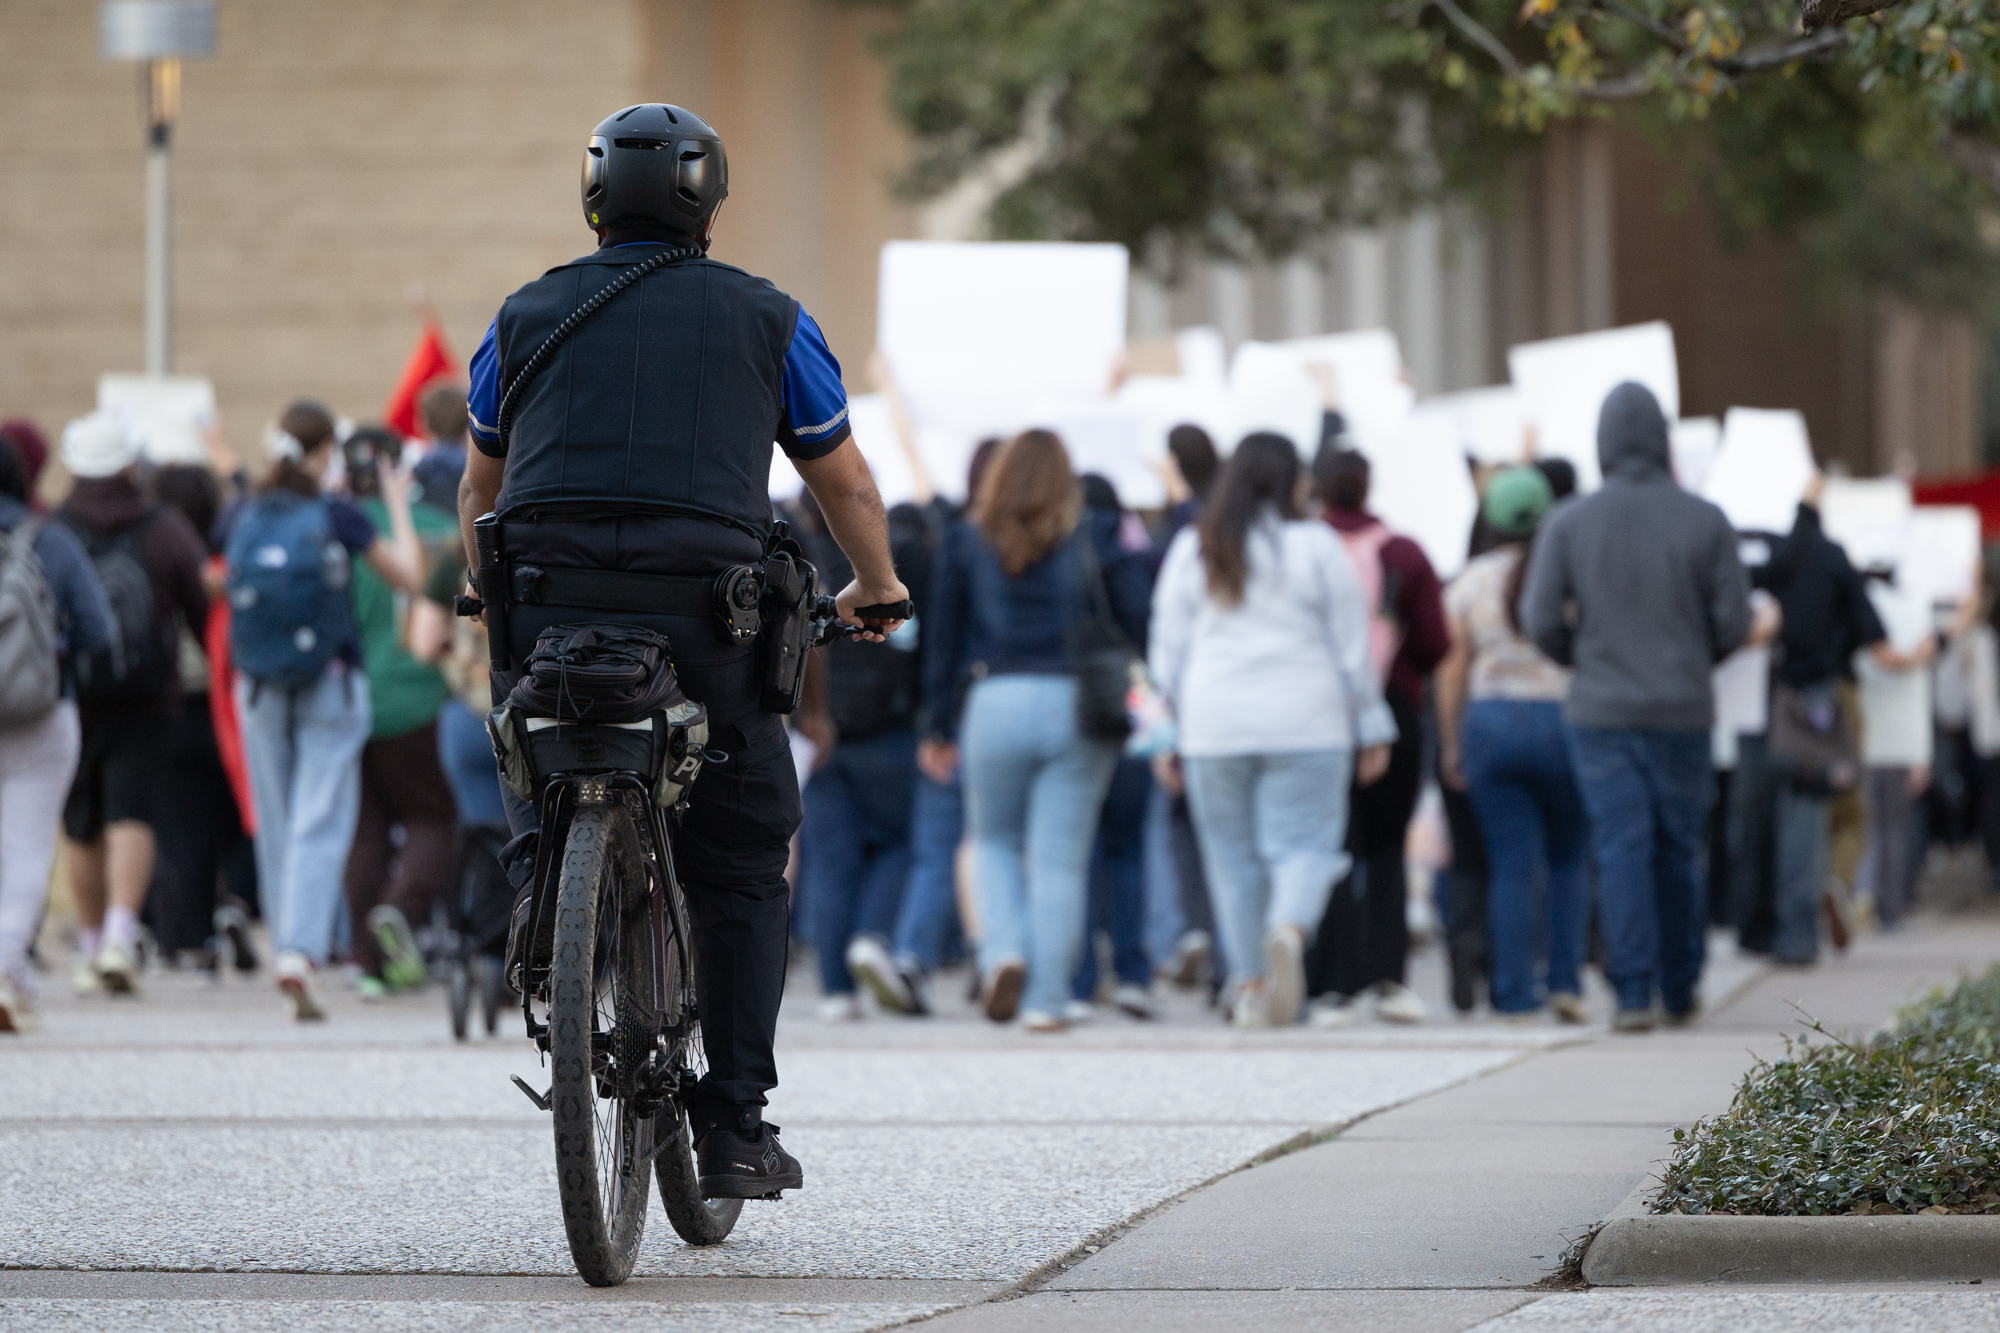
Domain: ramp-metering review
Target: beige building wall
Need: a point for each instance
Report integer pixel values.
(333, 155)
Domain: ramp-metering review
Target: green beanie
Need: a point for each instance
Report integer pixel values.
(1515, 501)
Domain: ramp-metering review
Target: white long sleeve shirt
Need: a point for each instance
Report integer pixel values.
(1284, 670)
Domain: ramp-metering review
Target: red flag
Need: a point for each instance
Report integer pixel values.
(429, 360)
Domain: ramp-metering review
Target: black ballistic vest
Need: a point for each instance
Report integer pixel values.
(667, 399)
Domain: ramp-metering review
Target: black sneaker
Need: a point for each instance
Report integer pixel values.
(739, 1165)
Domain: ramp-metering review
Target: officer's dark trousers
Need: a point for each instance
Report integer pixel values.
(730, 849)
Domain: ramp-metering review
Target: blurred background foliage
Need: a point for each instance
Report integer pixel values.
(1250, 127)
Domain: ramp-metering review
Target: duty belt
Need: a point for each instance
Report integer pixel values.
(612, 590)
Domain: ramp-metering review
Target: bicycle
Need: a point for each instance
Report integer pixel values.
(618, 996)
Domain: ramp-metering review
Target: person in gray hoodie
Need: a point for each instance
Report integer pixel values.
(1638, 588)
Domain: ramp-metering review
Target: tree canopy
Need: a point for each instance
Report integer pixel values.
(1867, 129)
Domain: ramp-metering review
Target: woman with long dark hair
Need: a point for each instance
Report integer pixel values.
(1260, 642)
(1506, 749)
(1008, 591)
(300, 690)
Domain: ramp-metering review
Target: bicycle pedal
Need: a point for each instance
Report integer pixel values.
(540, 1099)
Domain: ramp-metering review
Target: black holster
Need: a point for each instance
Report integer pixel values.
(791, 585)
(491, 573)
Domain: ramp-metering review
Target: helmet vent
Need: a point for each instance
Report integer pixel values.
(626, 112)
(694, 156)
(672, 119)
(595, 151)
(641, 143)
(594, 190)
(689, 195)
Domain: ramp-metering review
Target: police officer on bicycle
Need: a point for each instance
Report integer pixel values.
(642, 446)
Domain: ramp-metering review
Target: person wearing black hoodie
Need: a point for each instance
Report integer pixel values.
(1638, 588)
(1827, 619)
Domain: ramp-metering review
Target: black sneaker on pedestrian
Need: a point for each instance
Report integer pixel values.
(746, 1161)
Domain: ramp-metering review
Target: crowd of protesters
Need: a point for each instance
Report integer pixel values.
(241, 721)
(1110, 748)
(1561, 692)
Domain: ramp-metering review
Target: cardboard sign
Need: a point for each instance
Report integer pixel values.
(1563, 383)
(989, 337)
(1271, 390)
(1694, 442)
(170, 412)
(1870, 519)
(1760, 473)
(1420, 484)
(1368, 379)
(1941, 553)
(1488, 424)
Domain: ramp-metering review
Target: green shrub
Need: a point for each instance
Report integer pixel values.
(1906, 1122)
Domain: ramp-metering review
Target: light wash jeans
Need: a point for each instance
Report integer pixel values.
(1273, 843)
(1033, 790)
(303, 749)
(37, 764)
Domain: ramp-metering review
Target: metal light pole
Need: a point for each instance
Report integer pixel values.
(160, 33)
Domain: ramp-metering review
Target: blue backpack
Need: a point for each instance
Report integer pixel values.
(290, 610)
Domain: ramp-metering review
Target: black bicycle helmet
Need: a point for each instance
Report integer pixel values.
(654, 165)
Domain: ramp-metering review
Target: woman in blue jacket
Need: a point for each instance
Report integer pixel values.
(1007, 590)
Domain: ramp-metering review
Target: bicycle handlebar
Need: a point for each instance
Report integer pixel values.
(829, 628)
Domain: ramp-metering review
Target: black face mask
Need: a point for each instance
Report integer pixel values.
(647, 234)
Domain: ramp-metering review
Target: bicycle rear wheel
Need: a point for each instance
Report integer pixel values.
(601, 1025)
(696, 1220)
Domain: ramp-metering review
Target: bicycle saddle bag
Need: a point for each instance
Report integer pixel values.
(599, 699)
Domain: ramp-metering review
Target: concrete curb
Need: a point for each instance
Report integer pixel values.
(1640, 1249)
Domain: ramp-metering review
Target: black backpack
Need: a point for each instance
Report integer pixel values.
(139, 664)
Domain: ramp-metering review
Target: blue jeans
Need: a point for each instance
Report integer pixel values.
(1518, 776)
(303, 750)
(1273, 843)
(930, 900)
(854, 847)
(1647, 792)
(466, 752)
(1118, 882)
(1033, 788)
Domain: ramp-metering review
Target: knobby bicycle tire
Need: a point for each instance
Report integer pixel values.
(601, 964)
(696, 1220)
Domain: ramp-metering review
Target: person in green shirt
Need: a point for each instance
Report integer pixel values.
(402, 784)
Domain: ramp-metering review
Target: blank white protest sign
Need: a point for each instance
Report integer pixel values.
(170, 412)
(989, 338)
(1760, 473)
(1563, 383)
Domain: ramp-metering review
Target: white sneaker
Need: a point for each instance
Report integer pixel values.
(85, 979)
(1397, 1003)
(840, 1008)
(1332, 1013)
(296, 977)
(1134, 1001)
(1078, 1012)
(1251, 1008)
(869, 961)
(1285, 973)
(117, 971)
(17, 1007)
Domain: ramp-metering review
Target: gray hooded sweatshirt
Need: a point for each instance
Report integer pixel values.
(1637, 587)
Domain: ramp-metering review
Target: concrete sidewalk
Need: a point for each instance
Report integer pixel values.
(1447, 1212)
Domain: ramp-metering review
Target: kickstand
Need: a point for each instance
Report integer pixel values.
(541, 1100)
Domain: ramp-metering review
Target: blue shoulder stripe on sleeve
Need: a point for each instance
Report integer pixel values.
(483, 402)
(815, 403)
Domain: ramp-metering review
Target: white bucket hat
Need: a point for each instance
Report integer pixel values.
(99, 445)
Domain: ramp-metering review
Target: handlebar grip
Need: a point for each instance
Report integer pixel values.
(903, 610)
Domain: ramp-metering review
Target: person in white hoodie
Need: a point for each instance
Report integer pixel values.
(1260, 644)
